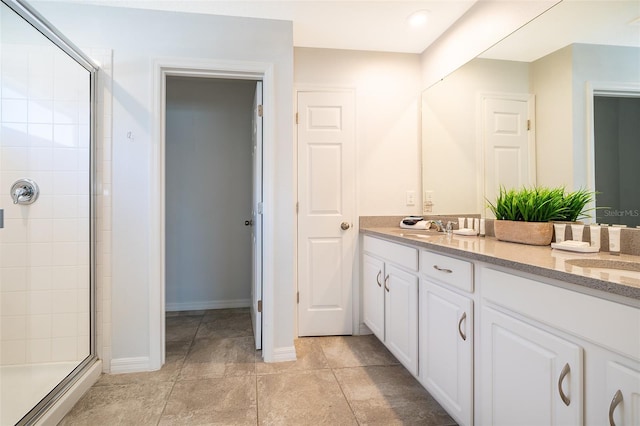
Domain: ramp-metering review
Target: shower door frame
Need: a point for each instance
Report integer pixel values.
(44, 27)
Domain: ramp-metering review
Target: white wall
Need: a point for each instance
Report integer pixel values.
(551, 81)
(559, 81)
(138, 38)
(208, 193)
(387, 87)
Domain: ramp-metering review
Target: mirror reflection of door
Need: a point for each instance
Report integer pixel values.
(617, 150)
(509, 151)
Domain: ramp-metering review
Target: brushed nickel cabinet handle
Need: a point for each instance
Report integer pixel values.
(565, 370)
(617, 399)
(445, 270)
(386, 283)
(462, 318)
(378, 279)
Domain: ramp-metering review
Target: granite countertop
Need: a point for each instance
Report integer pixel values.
(538, 260)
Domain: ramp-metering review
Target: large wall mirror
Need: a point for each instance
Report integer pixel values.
(523, 113)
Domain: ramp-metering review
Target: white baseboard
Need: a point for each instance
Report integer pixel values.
(130, 365)
(208, 304)
(364, 330)
(284, 354)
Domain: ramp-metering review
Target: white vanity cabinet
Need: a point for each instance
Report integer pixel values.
(529, 376)
(549, 355)
(390, 297)
(613, 391)
(446, 333)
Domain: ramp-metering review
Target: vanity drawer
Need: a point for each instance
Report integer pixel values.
(404, 256)
(449, 270)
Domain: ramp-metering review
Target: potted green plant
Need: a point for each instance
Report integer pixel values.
(575, 203)
(525, 215)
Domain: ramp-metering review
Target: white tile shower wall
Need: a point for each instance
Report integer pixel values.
(44, 261)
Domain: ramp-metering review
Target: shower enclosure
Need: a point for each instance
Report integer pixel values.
(46, 214)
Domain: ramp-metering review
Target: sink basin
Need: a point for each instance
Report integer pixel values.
(423, 234)
(595, 266)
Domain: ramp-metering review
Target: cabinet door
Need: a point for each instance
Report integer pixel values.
(373, 294)
(401, 316)
(528, 375)
(446, 349)
(623, 387)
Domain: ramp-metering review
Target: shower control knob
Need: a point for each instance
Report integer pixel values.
(24, 191)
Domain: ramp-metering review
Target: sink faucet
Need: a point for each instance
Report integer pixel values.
(440, 227)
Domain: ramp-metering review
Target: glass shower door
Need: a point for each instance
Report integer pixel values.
(45, 241)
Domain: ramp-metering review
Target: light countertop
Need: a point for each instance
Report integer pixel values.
(538, 260)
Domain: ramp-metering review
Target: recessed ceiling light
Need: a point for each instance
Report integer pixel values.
(419, 18)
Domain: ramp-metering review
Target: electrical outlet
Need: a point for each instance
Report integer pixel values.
(427, 205)
(411, 198)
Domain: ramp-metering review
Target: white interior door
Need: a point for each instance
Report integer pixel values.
(256, 218)
(509, 151)
(326, 208)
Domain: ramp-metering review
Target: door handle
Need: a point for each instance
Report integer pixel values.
(248, 223)
(462, 334)
(617, 399)
(565, 370)
(344, 226)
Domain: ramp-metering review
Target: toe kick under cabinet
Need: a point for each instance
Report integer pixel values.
(495, 346)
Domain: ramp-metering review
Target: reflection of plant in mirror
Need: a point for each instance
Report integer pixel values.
(575, 203)
(540, 204)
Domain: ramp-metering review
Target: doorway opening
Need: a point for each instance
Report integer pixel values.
(612, 147)
(209, 180)
(617, 148)
(210, 195)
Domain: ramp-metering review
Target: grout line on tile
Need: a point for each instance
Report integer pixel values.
(177, 377)
(345, 396)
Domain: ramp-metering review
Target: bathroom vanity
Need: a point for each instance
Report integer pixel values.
(500, 333)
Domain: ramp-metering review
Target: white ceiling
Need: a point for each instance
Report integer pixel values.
(351, 24)
(607, 22)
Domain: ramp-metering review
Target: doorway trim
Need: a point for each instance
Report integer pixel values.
(184, 67)
(601, 88)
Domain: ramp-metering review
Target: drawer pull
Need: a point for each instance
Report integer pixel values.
(386, 283)
(445, 270)
(565, 370)
(617, 399)
(462, 318)
(378, 279)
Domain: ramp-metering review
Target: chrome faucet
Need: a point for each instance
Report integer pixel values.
(440, 226)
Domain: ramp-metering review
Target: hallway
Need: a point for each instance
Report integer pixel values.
(214, 376)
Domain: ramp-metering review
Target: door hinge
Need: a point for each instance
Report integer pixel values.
(298, 297)
(297, 207)
(528, 124)
(259, 110)
(260, 306)
(260, 208)
(297, 118)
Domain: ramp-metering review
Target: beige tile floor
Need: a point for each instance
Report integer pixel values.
(213, 376)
